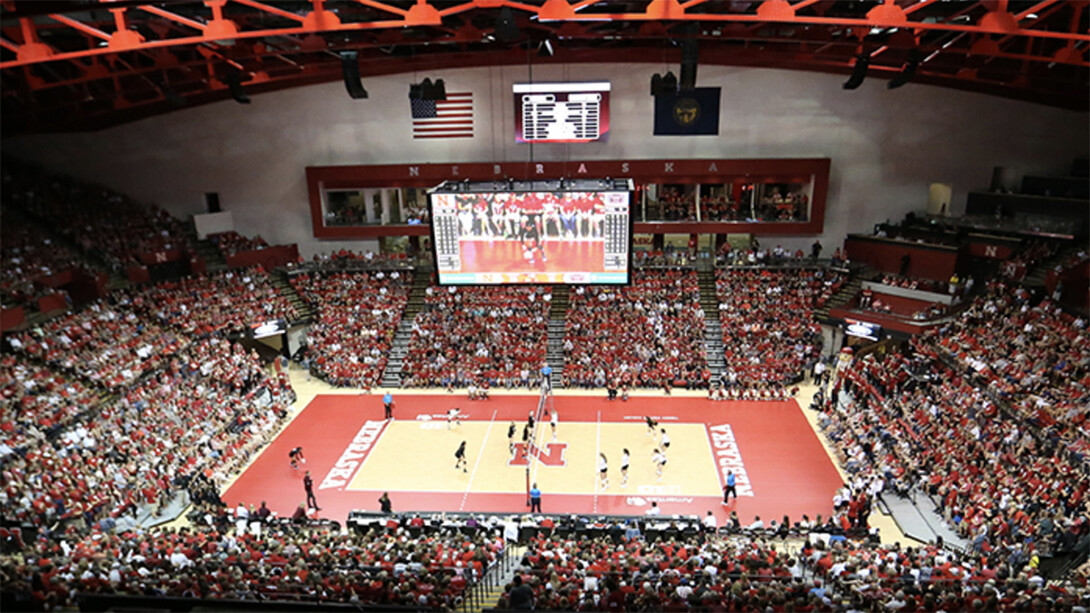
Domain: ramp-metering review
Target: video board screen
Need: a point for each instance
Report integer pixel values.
(501, 237)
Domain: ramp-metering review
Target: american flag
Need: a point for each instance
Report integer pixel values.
(450, 118)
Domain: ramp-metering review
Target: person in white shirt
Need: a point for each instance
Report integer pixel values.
(757, 523)
(659, 460)
(654, 510)
(603, 471)
(710, 523)
(624, 468)
(554, 421)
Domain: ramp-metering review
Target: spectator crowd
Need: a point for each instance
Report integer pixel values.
(105, 223)
(770, 335)
(358, 315)
(279, 560)
(199, 305)
(491, 336)
(755, 573)
(649, 334)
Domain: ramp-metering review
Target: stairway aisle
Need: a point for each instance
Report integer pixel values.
(391, 377)
(213, 259)
(491, 596)
(558, 313)
(713, 330)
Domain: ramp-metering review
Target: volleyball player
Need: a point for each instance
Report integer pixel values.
(511, 438)
(624, 467)
(460, 457)
(526, 438)
(665, 441)
(454, 418)
(650, 425)
(554, 421)
(603, 471)
(531, 239)
(659, 459)
(296, 455)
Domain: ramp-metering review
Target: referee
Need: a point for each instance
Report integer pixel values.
(728, 489)
(535, 499)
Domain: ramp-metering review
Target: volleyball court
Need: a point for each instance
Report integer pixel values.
(355, 456)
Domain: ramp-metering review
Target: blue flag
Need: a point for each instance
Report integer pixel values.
(688, 113)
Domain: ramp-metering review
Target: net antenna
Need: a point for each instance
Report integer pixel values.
(545, 405)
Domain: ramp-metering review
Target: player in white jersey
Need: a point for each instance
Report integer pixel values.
(624, 468)
(659, 460)
(665, 441)
(554, 421)
(603, 471)
(454, 418)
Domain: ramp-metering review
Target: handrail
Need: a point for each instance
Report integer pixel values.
(475, 593)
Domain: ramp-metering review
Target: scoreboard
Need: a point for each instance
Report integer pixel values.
(509, 232)
(561, 112)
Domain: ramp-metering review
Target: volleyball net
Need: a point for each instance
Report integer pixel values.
(533, 448)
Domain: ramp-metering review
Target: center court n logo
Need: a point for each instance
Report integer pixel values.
(552, 456)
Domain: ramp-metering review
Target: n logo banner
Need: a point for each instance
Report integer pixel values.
(688, 113)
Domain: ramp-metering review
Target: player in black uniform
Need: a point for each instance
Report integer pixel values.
(650, 426)
(460, 457)
(531, 238)
(295, 455)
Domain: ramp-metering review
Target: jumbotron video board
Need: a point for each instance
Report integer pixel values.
(510, 232)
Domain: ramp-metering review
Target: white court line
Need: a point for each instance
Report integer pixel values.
(597, 454)
(480, 453)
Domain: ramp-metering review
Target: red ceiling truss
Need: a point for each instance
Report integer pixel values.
(90, 64)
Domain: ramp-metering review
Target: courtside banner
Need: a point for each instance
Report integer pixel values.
(561, 112)
(688, 113)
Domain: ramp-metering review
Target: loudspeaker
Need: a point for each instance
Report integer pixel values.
(234, 83)
(506, 29)
(350, 70)
(859, 72)
(212, 201)
(663, 85)
(689, 52)
(908, 71)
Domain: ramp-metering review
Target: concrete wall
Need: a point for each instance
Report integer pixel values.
(886, 147)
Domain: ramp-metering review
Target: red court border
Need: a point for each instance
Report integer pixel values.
(786, 463)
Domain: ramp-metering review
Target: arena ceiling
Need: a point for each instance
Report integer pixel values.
(80, 65)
